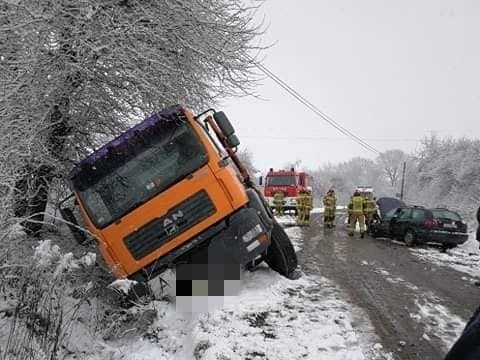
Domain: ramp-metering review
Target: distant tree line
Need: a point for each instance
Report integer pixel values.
(442, 173)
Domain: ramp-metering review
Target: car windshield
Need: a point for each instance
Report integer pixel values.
(281, 180)
(443, 214)
(131, 178)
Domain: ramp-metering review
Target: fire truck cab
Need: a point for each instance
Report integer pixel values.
(365, 191)
(290, 182)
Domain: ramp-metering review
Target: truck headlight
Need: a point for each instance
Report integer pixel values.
(252, 233)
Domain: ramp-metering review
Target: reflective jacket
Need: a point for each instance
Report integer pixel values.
(356, 203)
(369, 206)
(308, 201)
(329, 201)
(300, 200)
(278, 198)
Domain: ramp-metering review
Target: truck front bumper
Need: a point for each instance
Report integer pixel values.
(233, 243)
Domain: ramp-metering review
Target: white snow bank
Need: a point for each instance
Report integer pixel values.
(272, 317)
(464, 258)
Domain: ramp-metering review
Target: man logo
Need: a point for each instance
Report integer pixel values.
(173, 229)
(169, 223)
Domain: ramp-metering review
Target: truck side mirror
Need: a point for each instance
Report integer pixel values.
(233, 141)
(224, 124)
(260, 180)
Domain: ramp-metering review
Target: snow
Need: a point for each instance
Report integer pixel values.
(272, 317)
(122, 285)
(438, 320)
(286, 220)
(464, 258)
(46, 253)
(440, 323)
(321, 210)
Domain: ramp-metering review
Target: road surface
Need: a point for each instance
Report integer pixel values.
(417, 308)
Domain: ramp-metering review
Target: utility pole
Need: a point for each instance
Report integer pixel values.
(403, 180)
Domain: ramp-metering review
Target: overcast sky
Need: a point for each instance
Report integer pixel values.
(389, 71)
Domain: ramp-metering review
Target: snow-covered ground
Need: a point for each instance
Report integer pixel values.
(271, 317)
(318, 210)
(464, 258)
(438, 320)
(440, 323)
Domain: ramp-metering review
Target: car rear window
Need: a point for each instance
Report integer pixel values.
(446, 214)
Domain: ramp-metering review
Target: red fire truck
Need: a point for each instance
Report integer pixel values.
(290, 182)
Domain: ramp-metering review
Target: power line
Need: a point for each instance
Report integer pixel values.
(324, 138)
(313, 108)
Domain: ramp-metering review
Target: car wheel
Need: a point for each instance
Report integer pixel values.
(281, 255)
(409, 238)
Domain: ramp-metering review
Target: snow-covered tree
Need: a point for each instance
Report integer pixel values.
(246, 157)
(346, 176)
(445, 172)
(74, 72)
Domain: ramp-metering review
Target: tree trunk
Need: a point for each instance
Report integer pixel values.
(31, 197)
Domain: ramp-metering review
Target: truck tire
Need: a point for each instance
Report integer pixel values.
(281, 255)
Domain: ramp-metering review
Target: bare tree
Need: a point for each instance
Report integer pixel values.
(391, 161)
(74, 72)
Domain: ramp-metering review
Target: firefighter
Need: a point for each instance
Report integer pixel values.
(329, 204)
(300, 203)
(356, 213)
(279, 202)
(369, 209)
(307, 205)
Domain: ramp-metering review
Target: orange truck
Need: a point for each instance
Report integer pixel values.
(168, 188)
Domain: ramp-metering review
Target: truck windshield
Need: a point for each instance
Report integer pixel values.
(281, 180)
(151, 163)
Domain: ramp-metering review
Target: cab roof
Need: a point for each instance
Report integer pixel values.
(171, 113)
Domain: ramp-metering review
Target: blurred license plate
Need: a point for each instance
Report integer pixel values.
(449, 226)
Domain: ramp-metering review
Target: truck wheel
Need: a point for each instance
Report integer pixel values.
(281, 255)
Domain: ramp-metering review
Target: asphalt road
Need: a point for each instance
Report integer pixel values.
(416, 307)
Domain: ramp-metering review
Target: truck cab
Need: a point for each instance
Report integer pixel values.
(168, 187)
(289, 182)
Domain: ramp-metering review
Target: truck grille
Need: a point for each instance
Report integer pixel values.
(159, 231)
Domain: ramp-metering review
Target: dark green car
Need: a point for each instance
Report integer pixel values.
(416, 225)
